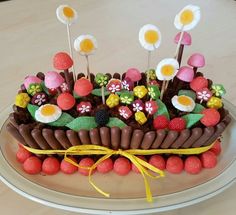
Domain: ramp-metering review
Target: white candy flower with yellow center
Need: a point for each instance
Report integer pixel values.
(66, 14)
(167, 69)
(150, 37)
(187, 18)
(48, 113)
(85, 44)
(183, 103)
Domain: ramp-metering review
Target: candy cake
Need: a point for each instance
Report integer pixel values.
(170, 107)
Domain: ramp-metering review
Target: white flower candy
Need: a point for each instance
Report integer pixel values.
(66, 14)
(48, 113)
(85, 44)
(183, 103)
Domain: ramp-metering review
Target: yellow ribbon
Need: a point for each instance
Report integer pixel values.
(142, 165)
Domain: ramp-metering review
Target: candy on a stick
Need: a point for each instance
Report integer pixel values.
(133, 74)
(65, 101)
(102, 81)
(83, 87)
(53, 80)
(185, 74)
(196, 61)
(31, 80)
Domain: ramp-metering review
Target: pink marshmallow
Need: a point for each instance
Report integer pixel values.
(53, 79)
(31, 80)
(133, 74)
(186, 40)
(196, 60)
(185, 73)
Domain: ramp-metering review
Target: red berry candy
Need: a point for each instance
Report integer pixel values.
(177, 124)
(157, 161)
(134, 168)
(85, 162)
(83, 87)
(193, 165)
(105, 166)
(62, 61)
(211, 117)
(32, 165)
(22, 154)
(174, 164)
(209, 159)
(216, 148)
(65, 101)
(51, 166)
(122, 166)
(67, 167)
(160, 122)
(198, 83)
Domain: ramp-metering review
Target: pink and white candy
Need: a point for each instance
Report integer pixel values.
(114, 85)
(151, 107)
(31, 80)
(125, 112)
(127, 84)
(133, 74)
(185, 73)
(138, 105)
(84, 107)
(204, 94)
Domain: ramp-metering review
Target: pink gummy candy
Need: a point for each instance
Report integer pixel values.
(185, 73)
(31, 80)
(133, 74)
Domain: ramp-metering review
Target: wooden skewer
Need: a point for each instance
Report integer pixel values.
(88, 70)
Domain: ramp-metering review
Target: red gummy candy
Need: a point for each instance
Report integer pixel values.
(134, 168)
(198, 83)
(122, 166)
(83, 87)
(22, 154)
(65, 101)
(51, 166)
(157, 161)
(62, 61)
(85, 162)
(67, 167)
(209, 159)
(177, 124)
(105, 166)
(193, 165)
(32, 165)
(211, 117)
(174, 164)
(216, 148)
(160, 122)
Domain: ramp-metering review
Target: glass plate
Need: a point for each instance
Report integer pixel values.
(74, 193)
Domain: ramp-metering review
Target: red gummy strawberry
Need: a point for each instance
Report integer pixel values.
(216, 148)
(122, 166)
(198, 83)
(211, 117)
(105, 166)
(209, 159)
(32, 165)
(193, 165)
(134, 168)
(22, 154)
(160, 122)
(174, 164)
(157, 161)
(67, 167)
(51, 166)
(177, 124)
(85, 162)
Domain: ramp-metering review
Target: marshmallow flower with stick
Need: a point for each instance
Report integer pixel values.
(67, 15)
(86, 45)
(150, 39)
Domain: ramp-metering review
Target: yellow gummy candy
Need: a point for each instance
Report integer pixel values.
(140, 117)
(112, 100)
(140, 91)
(22, 100)
(214, 102)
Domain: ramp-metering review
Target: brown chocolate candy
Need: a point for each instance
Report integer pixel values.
(115, 137)
(148, 139)
(183, 136)
(126, 135)
(170, 138)
(105, 136)
(62, 138)
(49, 136)
(84, 137)
(73, 137)
(95, 136)
(136, 139)
(160, 136)
(195, 134)
(38, 137)
(15, 133)
(25, 131)
(208, 132)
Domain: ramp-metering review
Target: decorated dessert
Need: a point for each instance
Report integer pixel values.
(168, 117)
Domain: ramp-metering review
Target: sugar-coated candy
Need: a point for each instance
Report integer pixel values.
(151, 107)
(185, 74)
(51, 166)
(211, 117)
(34, 88)
(160, 122)
(83, 87)
(85, 162)
(84, 107)
(138, 105)
(125, 112)
(127, 84)
(105, 166)
(133, 74)
(198, 83)
(67, 167)
(218, 90)
(151, 74)
(177, 124)
(62, 61)
(114, 85)
(193, 164)
(154, 92)
(140, 91)
(140, 117)
(216, 148)
(22, 100)
(122, 166)
(134, 168)
(101, 117)
(112, 100)
(101, 79)
(65, 101)
(209, 159)
(32, 165)
(157, 161)
(64, 87)
(126, 98)
(31, 80)
(22, 154)
(174, 164)
(214, 102)
(204, 94)
(53, 79)
(39, 99)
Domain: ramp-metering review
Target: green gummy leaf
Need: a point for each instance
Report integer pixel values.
(115, 122)
(162, 109)
(64, 119)
(75, 95)
(98, 92)
(32, 109)
(198, 108)
(45, 89)
(192, 119)
(83, 122)
(122, 91)
(189, 93)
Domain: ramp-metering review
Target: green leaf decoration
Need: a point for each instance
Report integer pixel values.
(122, 91)
(192, 119)
(162, 109)
(83, 122)
(115, 122)
(45, 89)
(32, 109)
(64, 119)
(198, 108)
(75, 95)
(189, 93)
(98, 92)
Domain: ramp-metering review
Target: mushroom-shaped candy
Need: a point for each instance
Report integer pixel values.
(53, 79)
(185, 73)
(186, 41)
(133, 74)
(31, 80)
(196, 61)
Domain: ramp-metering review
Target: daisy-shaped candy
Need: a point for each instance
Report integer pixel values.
(39, 99)
(66, 14)
(125, 112)
(187, 18)
(85, 44)
(151, 107)
(140, 117)
(112, 100)
(22, 100)
(140, 91)
(167, 69)
(114, 85)
(214, 102)
(150, 37)
(126, 98)
(151, 74)
(84, 107)
(127, 84)
(153, 91)
(64, 87)
(204, 94)
(34, 88)
(101, 79)
(138, 105)
(218, 90)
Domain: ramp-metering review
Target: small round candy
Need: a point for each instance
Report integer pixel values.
(174, 164)
(65, 101)
(32, 165)
(198, 83)
(83, 87)
(157, 161)
(209, 159)
(211, 117)
(160, 122)
(22, 154)
(216, 148)
(122, 166)
(193, 165)
(133, 74)
(134, 168)
(51, 166)
(85, 162)
(67, 167)
(105, 166)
